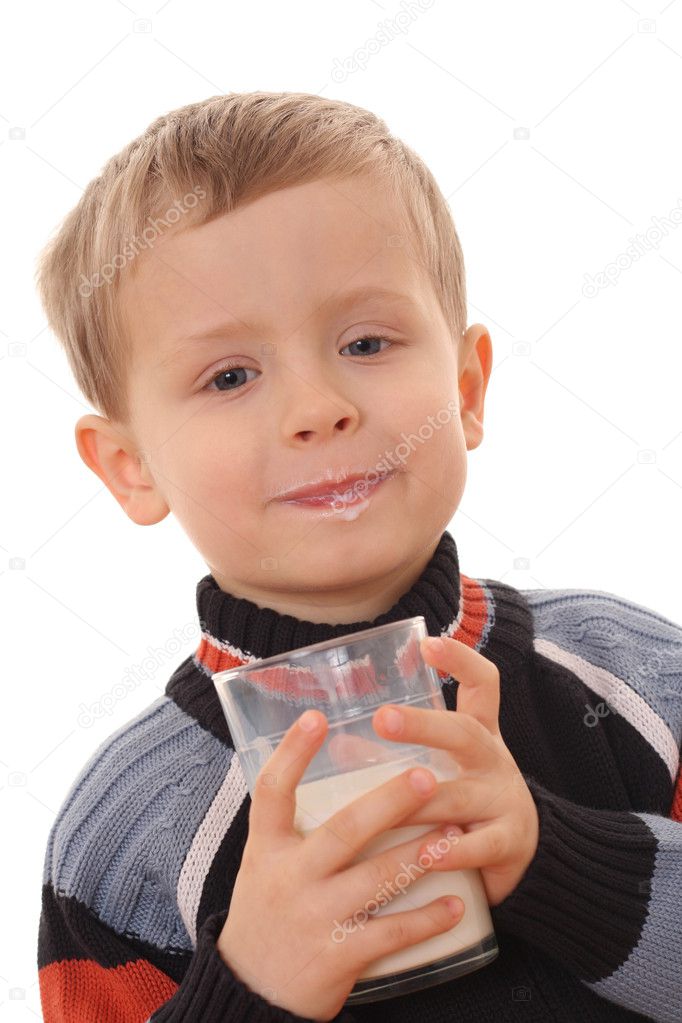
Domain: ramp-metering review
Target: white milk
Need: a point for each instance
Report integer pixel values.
(319, 800)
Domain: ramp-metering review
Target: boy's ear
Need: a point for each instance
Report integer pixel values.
(112, 456)
(475, 364)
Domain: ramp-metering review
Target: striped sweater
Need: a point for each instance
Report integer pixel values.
(142, 858)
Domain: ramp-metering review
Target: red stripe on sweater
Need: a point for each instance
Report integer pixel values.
(215, 659)
(475, 613)
(78, 989)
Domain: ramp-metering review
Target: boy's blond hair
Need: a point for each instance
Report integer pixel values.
(198, 162)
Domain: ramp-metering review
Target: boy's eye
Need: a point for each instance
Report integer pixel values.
(231, 369)
(226, 371)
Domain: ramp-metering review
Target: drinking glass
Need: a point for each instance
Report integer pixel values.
(348, 678)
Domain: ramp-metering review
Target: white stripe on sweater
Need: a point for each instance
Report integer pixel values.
(621, 698)
(206, 843)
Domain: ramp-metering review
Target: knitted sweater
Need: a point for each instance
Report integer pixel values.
(142, 858)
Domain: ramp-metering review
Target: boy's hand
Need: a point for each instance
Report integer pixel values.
(286, 935)
(489, 799)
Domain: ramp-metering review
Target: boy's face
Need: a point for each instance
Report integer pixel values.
(278, 272)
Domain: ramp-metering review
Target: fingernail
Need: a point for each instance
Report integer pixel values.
(393, 720)
(454, 904)
(421, 781)
(434, 645)
(308, 721)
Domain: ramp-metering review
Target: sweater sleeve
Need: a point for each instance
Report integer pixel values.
(602, 898)
(88, 973)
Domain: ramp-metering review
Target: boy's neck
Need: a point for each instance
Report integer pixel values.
(362, 601)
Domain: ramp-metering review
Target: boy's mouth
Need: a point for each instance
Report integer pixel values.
(352, 490)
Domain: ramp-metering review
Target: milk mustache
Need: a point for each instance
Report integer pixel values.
(319, 800)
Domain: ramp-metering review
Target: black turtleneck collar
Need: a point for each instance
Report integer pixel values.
(235, 630)
(253, 631)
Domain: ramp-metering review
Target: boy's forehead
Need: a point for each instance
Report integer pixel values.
(288, 253)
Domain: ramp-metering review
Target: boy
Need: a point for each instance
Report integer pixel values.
(294, 240)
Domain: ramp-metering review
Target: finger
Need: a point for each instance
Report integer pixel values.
(394, 931)
(337, 841)
(388, 869)
(470, 742)
(273, 804)
(461, 801)
(478, 676)
(485, 847)
(349, 752)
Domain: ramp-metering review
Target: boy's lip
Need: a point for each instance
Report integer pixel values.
(327, 488)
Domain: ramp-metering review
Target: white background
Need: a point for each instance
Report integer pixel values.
(553, 131)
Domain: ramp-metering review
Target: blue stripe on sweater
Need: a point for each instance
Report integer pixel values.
(121, 836)
(639, 646)
(649, 980)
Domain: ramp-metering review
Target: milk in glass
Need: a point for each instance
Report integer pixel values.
(317, 801)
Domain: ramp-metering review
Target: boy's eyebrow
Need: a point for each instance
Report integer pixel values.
(336, 302)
